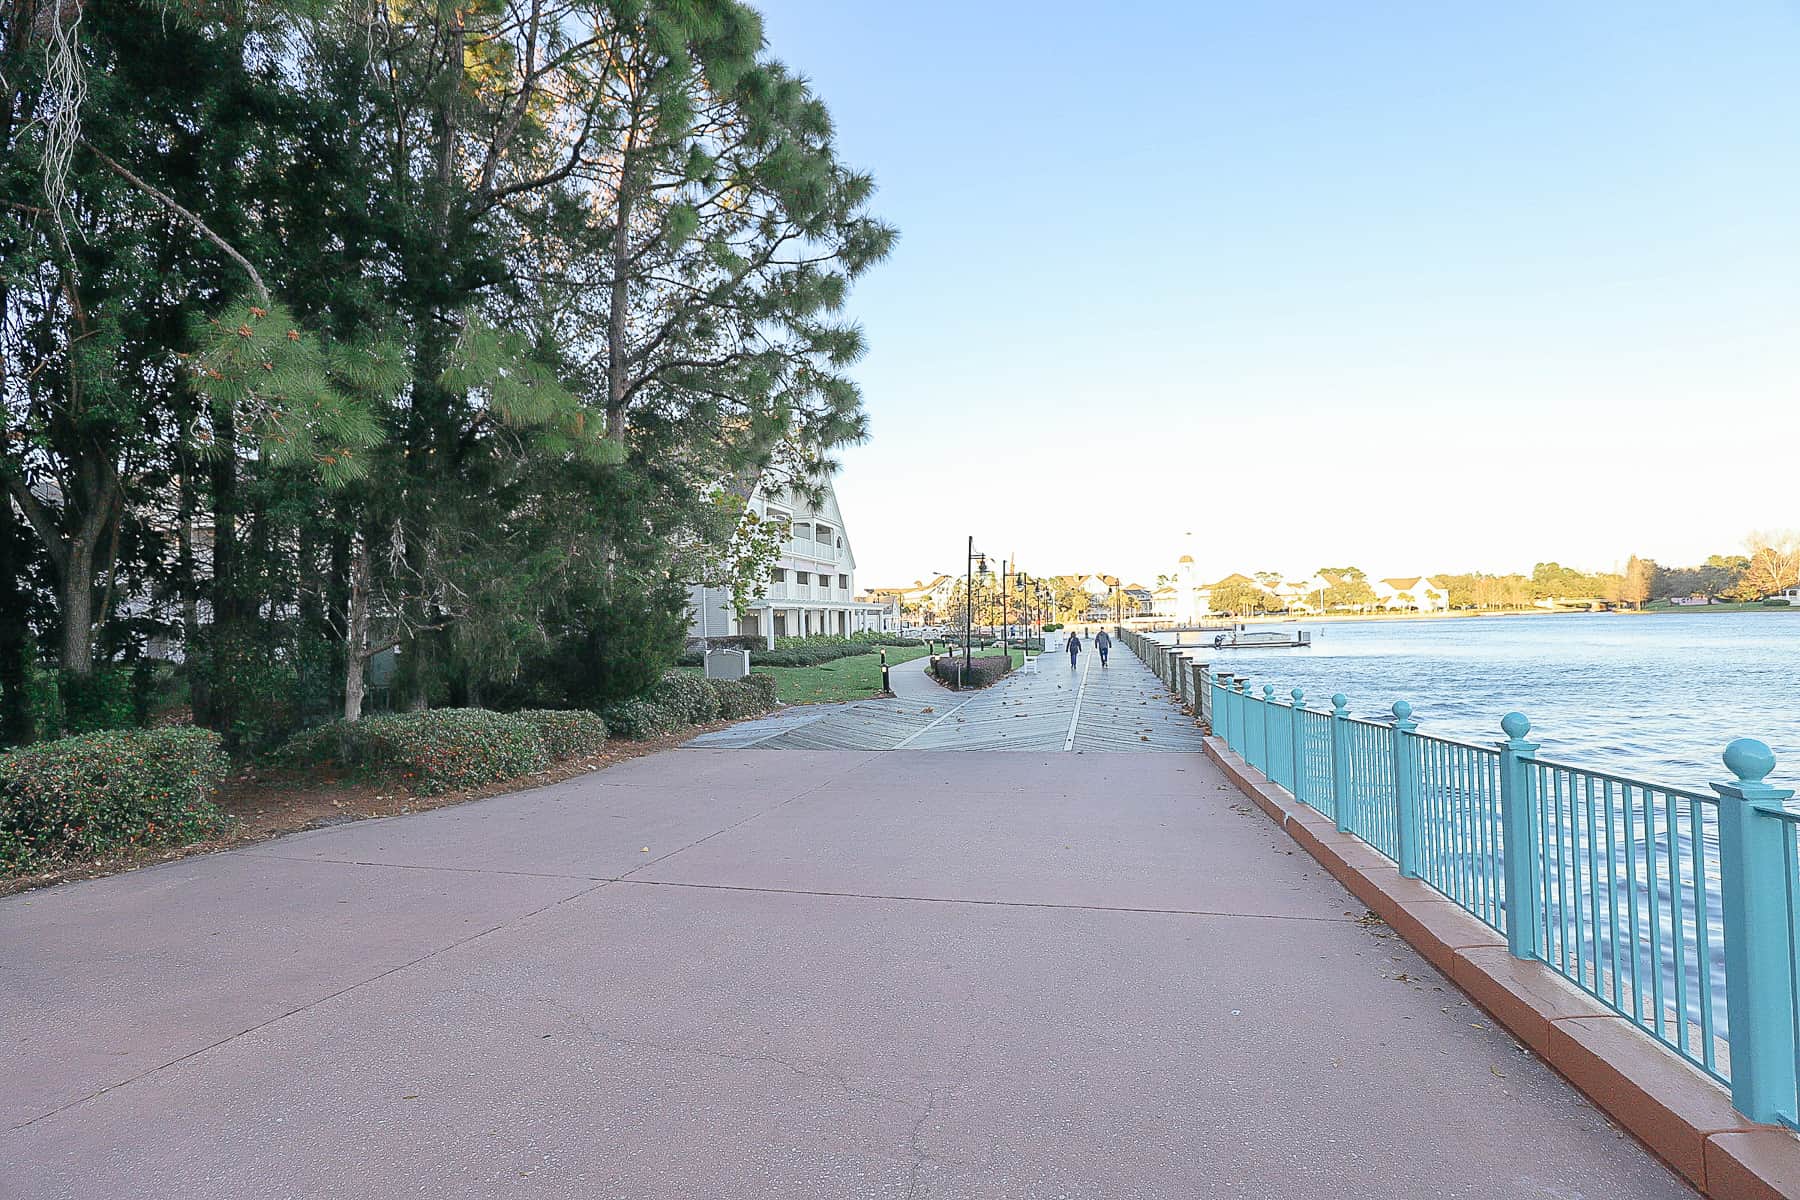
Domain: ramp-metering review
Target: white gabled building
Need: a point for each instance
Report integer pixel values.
(811, 588)
(1418, 593)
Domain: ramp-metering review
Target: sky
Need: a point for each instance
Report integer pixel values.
(1407, 286)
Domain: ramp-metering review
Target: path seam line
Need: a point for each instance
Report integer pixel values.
(1075, 717)
(1049, 904)
(906, 741)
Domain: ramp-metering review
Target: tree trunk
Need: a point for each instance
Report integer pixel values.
(356, 631)
(16, 725)
(187, 586)
(227, 583)
(76, 656)
(618, 317)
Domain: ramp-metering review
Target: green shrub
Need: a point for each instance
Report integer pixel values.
(809, 654)
(1775, 602)
(687, 696)
(765, 685)
(98, 700)
(638, 719)
(1052, 627)
(76, 799)
(436, 751)
(567, 732)
(980, 672)
(740, 698)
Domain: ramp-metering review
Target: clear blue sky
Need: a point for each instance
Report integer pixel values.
(1412, 286)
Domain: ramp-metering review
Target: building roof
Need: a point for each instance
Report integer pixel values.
(1403, 585)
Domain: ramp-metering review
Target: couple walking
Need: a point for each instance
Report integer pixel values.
(1102, 643)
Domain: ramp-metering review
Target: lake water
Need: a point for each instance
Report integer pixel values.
(1655, 696)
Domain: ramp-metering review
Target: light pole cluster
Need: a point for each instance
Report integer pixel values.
(1034, 596)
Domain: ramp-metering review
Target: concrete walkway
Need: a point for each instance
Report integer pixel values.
(1056, 707)
(726, 973)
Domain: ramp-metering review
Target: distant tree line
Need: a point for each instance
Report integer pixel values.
(447, 334)
(1771, 565)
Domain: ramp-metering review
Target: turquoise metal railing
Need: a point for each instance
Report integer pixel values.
(1631, 905)
(1677, 909)
(1459, 825)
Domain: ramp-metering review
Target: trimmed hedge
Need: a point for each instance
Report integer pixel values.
(567, 731)
(638, 719)
(981, 671)
(436, 751)
(810, 651)
(82, 797)
(740, 698)
(764, 684)
(689, 699)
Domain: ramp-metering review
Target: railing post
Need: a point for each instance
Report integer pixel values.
(1240, 720)
(1522, 860)
(1406, 791)
(1296, 740)
(1268, 755)
(1221, 713)
(1341, 799)
(1753, 895)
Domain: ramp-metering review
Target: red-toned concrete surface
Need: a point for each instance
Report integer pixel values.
(720, 974)
(1683, 1116)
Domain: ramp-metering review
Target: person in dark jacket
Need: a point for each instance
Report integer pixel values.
(1102, 643)
(1074, 648)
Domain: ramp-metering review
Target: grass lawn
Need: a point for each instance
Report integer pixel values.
(855, 678)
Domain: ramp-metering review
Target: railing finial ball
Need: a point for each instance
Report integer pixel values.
(1340, 701)
(1515, 725)
(1750, 760)
(1402, 709)
(1298, 695)
(1268, 691)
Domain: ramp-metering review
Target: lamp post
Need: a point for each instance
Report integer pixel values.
(1005, 617)
(968, 610)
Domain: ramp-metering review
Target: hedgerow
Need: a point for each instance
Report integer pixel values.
(765, 685)
(567, 732)
(435, 751)
(740, 698)
(82, 797)
(640, 718)
(687, 697)
(978, 673)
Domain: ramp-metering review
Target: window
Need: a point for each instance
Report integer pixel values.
(823, 533)
(802, 577)
(844, 581)
(779, 575)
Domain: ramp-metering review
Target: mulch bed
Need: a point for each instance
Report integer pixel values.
(268, 803)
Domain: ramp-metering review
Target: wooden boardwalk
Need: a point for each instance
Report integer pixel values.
(1118, 708)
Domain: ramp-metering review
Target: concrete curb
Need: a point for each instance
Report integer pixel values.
(1680, 1114)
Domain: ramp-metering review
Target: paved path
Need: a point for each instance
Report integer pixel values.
(724, 973)
(1121, 706)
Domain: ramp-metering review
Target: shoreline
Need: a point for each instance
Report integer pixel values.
(1475, 613)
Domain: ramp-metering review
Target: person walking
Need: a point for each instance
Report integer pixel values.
(1074, 648)
(1102, 643)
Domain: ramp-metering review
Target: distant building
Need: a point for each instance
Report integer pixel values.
(1415, 593)
(926, 601)
(811, 588)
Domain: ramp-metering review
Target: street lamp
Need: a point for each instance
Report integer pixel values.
(969, 607)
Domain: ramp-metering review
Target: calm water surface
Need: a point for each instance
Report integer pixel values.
(1655, 696)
